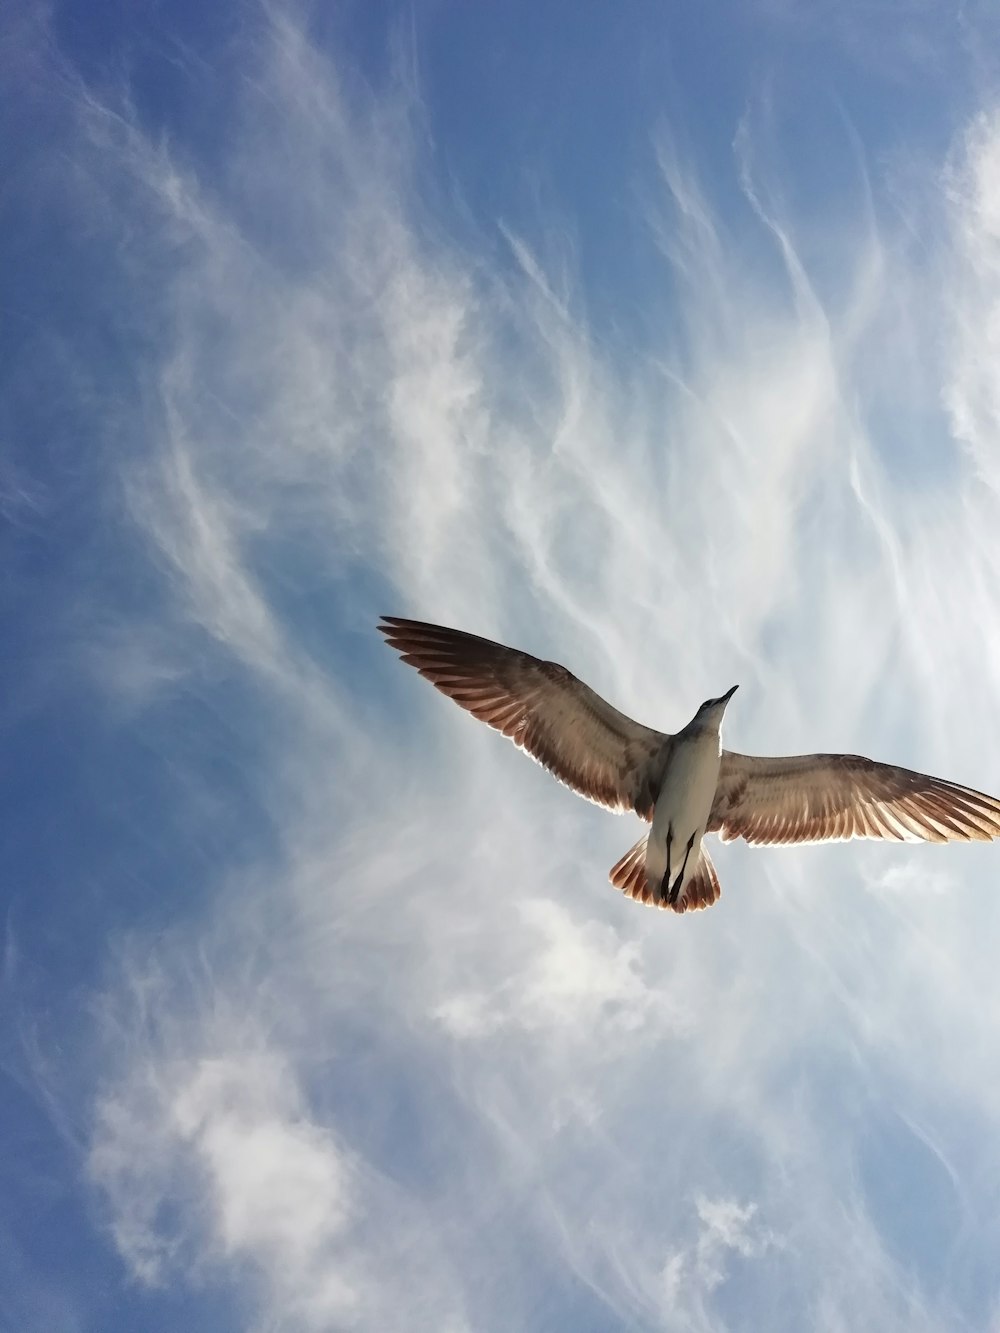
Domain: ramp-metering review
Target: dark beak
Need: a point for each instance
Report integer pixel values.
(724, 698)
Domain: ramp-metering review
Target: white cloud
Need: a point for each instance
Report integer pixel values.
(212, 1161)
(973, 396)
(726, 1230)
(226, 1141)
(574, 977)
(279, 1185)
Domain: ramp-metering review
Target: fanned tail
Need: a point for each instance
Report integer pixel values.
(629, 875)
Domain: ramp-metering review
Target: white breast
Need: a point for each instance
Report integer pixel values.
(683, 806)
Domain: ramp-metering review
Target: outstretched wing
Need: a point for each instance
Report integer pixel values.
(543, 708)
(834, 797)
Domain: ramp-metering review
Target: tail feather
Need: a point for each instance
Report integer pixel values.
(703, 888)
(629, 875)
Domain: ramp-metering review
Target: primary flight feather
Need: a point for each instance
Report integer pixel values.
(685, 785)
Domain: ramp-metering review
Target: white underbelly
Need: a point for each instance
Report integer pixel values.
(682, 809)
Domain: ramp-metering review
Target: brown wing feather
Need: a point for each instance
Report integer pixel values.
(835, 797)
(543, 708)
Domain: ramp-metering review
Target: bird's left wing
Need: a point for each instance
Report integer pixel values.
(543, 708)
(835, 797)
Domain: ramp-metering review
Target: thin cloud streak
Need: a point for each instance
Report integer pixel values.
(425, 1067)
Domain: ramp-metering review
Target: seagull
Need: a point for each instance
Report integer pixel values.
(684, 785)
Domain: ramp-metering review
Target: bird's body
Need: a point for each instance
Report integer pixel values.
(682, 809)
(685, 784)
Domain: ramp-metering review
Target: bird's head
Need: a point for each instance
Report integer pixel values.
(711, 711)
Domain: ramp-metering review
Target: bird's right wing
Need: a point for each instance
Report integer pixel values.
(835, 797)
(543, 708)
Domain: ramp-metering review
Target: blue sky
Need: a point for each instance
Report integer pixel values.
(661, 340)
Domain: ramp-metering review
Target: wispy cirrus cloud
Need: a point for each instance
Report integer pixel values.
(418, 1066)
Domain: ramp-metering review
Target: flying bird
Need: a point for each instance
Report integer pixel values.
(685, 785)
